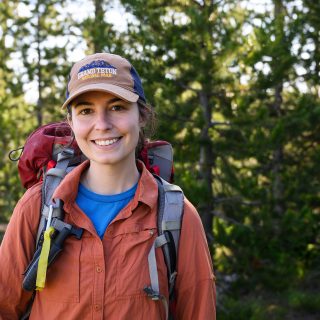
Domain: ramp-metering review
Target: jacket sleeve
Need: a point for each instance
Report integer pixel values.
(16, 251)
(195, 284)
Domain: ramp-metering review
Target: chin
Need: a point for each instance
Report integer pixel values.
(112, 160)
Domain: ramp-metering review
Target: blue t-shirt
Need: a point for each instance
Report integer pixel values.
(102, 209)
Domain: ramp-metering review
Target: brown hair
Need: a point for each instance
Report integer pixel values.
(148, 116)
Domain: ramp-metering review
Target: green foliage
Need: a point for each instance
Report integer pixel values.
(11, 104)
(32, 28)
(41, 39)
(251, 309)
(304, 301)
(100, 35)
(187, 47)
(259, 305)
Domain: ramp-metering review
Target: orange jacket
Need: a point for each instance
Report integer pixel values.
(104, 279)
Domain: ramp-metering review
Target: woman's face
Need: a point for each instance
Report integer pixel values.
(106, 128)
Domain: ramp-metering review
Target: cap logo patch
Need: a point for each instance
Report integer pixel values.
(97, 69)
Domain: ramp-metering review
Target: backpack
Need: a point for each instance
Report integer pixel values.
(49, 154)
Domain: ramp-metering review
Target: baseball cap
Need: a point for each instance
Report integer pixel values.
(105, 72)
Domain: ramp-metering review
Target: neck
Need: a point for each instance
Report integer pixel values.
(110, 179)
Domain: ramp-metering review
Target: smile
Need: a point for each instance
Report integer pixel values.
(106, 142)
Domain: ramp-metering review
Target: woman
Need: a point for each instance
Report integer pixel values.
(114, 199)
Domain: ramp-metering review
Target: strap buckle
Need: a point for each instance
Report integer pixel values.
(151, 293)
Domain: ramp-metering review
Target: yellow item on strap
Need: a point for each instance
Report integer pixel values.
(43, 260)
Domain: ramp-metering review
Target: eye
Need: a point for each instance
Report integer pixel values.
(117, 107)
(85, 111)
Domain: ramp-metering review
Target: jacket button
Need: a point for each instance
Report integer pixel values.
(97, 307)
(98, 269)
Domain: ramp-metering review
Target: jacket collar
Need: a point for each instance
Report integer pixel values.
(147, 189)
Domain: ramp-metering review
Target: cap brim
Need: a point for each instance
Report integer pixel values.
(109, 88)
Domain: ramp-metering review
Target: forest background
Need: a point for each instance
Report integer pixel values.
(235, 85)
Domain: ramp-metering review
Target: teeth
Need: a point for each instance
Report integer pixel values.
(106, 142)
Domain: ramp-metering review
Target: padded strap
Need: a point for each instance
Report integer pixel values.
(51, 181)
(170, 187)
(173, 210)
(54, 176)
(171, 225)
(170, 211)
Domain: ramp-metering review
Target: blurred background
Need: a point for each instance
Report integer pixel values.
(235, 85)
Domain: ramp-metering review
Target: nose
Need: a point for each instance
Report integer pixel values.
(103, 121)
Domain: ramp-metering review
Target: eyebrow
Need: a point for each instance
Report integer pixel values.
(88, 103)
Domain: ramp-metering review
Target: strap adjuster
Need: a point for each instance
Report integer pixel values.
(151, 293)
(173, 276)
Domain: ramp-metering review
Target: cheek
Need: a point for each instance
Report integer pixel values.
(130, 124)
(79, 129)
(136, 127)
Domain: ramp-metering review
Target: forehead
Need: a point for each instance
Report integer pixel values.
(92, 96)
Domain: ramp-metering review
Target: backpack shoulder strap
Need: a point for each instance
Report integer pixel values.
(52, 214)
(170, 212)
(51, 180)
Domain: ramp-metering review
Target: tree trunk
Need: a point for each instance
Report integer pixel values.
(39, 71)
(277, 182)
(99, 18)
(206, 166)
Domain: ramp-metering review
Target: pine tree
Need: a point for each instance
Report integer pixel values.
(180, 48)
(100, 35)
(11, 111)
(42, 38)
(270, 167)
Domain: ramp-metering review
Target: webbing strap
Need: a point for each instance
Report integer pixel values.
(56, 172)
(55, 211)
(171, 225)
(165, 304)
(43, 259)
(159, 242)
(154, 290)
